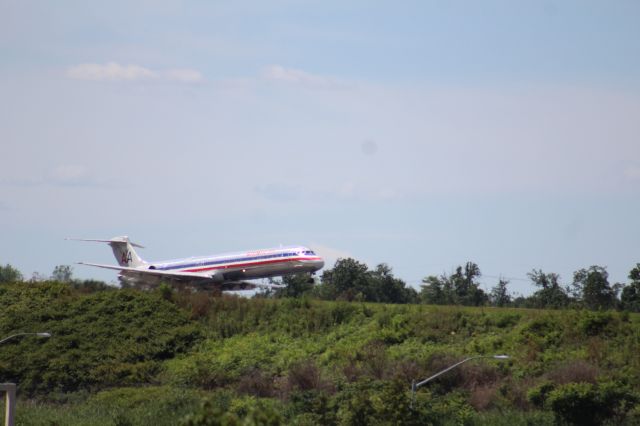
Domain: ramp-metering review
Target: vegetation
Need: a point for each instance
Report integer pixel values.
(9, 274)
(121, 356)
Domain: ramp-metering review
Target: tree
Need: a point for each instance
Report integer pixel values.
(499, 295)
(346, 280)
(551, 294)
(385, 288)
(9, 274)
(352, 280)
(62, 273)
(461, 288)
(436, 291)
(630, 297)
(467, 290)
(296, 285)
(593, 286)
(37, 277)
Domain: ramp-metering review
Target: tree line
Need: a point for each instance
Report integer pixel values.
(589, 289)
(351, 280)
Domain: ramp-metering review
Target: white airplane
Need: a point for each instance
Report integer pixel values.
(225, 271)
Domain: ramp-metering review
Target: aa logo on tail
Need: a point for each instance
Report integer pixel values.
(126, 257)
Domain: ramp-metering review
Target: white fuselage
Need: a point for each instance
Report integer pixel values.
(247, 265)
(217, 270)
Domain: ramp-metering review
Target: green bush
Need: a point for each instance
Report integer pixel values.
(103, 339)
(160, 406)
(538, 394)
(595, 323)
(303, 362)
(588, 404)
(245, 412)
(507, 320)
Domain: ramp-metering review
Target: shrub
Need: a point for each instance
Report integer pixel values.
(382, 403)
(588, 404)
(304, 376)
(99, 339)
(373, 359)
(574, 372)
(507, 320)
(257, 383)
(538, 395)
(482, 396)
(248, 412)
(342, 312)
(595, 323)
(575, 403)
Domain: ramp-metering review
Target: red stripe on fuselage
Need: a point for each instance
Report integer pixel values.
(240, 265)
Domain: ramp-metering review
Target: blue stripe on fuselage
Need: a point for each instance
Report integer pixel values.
(205, 263)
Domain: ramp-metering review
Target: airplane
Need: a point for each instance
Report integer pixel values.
(224, 271)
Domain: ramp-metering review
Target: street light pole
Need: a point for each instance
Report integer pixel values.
(25, 334)
(415, 386)
(9, 389)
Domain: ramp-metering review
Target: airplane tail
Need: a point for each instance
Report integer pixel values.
(122, 250)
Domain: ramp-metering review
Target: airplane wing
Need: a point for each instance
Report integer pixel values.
(189, 276)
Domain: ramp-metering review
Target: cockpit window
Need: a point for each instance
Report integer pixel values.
(309, 252)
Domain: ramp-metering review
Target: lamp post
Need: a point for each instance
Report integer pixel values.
(415, 386)
(9, 389)
(25, 334)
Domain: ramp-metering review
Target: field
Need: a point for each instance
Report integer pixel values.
(129, 357)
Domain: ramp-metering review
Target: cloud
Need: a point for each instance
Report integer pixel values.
(632, 173)
(184, 75)
(294, 76)
(79, 176)
(278, 192)
(346, 191)
(66, 175)
(357, 192)
(113, 71)
(69, 175)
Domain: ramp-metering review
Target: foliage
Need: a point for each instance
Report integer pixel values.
(630, 298)
(593, 289)
(351, 280)
(588, 404)
(461, 288)
(297, 285)
(499, 294)
(538, 395)
(250, 413)
(9, 274)
(62, 273)
(347, 280)
(551, 294)
(595, 323)
(121, 356)
(99, 339)
(157, 405)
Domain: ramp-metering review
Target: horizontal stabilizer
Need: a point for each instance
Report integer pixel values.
(113, 240)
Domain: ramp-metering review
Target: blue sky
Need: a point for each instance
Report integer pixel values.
(421, 134)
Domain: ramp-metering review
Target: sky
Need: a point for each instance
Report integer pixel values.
(420, 134)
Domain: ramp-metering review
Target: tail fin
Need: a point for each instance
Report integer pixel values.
(122, 250)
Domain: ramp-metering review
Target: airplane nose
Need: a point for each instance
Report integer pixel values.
(320, 264)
